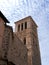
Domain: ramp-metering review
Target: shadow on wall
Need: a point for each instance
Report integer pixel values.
(5, 62)
(10, 63)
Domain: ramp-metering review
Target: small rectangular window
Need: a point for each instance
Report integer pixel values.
(24, 41)
(25, 25)
(19, 27)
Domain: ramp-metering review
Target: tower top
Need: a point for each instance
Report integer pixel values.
(25, 19)
(3, 17)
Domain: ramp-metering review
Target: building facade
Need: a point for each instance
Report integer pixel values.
(20, 47)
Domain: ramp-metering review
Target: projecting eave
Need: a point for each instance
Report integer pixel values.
(3, 17)
(27, 18)
(22, 19)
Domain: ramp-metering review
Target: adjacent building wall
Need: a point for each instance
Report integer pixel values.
(2, 27)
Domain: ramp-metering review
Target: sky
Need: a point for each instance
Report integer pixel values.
(15, 10)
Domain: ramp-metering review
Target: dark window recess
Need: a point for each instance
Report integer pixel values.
(25, 25)
(5, 56)
(19, 27)
(33, 41)
(22, 26)
(24, 41)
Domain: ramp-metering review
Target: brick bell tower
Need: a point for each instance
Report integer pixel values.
(26, 30)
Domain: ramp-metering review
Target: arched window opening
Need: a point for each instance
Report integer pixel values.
(19, 27)
(25, 25)
(22, 26)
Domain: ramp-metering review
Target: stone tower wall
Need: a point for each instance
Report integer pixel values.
(31, 36)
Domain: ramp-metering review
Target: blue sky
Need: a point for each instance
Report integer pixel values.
(39, 10)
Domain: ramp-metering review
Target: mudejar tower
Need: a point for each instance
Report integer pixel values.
(26, 30)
